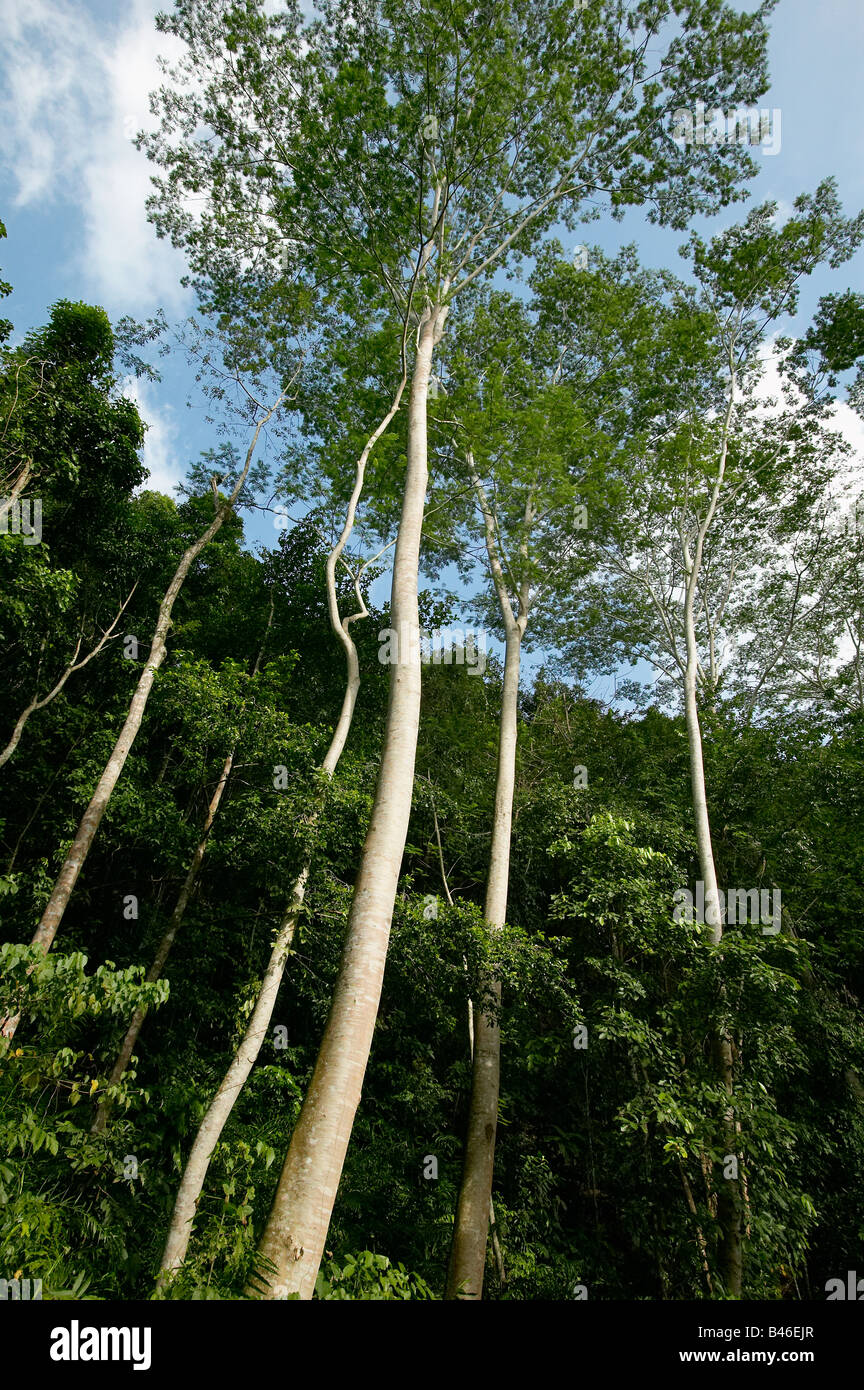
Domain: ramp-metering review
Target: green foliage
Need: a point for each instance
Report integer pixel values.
(369, 1276)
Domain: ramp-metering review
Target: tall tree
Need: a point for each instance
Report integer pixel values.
(464, 132)
(715, 470)
(246, 1055)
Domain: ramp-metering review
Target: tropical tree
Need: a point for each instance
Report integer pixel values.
(464, 133)
(717, 470)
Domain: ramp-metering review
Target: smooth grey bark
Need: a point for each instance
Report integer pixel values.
(468, 1251)
(293, 1239)
(729, 1196)
(219, 1110)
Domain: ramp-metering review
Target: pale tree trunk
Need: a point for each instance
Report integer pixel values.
(729, 1203)
(729, 1199)
(468, 1252)
(713, 915)
(219, 1110)
(91, 820)
(293, 1240)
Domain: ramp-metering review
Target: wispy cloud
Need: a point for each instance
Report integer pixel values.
(843, 418)
(72, 92)
(160, 454)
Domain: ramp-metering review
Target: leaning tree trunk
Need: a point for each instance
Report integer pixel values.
(91, 820)
(293, 1240)
(211, 1127)
(244, 1059)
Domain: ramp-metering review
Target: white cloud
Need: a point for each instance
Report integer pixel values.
(72, 90)
(843, 418)
(785, 210)
(160, 452)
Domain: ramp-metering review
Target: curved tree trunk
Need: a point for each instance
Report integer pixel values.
(293, 1239)
(244, 1059)
(211, 1127)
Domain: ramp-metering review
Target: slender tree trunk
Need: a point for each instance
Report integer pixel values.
(474, 1208)
(729, 1196)
(729, 1203)
(468, 1252)
(713, 915)
(210, 1129)
(700, 1238)
(244, 1059)
(293, 1239)
(493, 1225)
(91, 820)
(219, 1110)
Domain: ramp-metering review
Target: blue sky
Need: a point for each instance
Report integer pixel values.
(74, 79)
